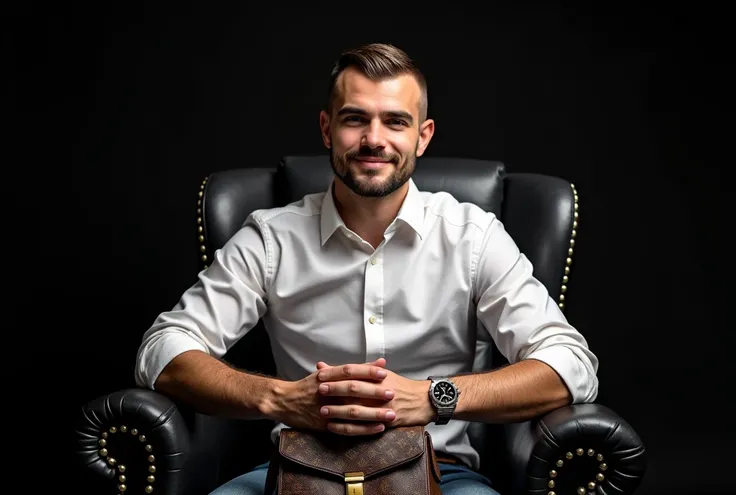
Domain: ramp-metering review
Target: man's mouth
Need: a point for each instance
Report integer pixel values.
(372, 163)
(372, 159)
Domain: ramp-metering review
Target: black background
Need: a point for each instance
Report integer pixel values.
(117, 114)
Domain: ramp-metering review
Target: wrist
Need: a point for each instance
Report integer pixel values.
(427, 411)
(274, 391)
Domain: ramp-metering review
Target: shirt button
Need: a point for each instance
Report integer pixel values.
(372, 319)
(373, 261)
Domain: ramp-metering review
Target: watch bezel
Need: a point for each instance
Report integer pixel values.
(434, 384)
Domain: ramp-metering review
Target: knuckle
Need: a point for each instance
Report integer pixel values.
(354, 387)
(347, 370)
(353, 412)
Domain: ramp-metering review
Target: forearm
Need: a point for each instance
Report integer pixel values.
(212, 387)
(514, 393)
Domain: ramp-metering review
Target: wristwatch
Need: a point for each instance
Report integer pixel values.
(443, 394)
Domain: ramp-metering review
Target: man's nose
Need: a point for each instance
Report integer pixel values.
(374, 136)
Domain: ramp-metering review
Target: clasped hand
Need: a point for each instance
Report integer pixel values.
(359, 399)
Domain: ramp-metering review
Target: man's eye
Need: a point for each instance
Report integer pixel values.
(354, 118)
(397, 122)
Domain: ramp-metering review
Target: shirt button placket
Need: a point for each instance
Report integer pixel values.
(373, 309)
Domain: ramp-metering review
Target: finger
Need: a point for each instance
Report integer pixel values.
(352, 372)
(353, 429)
(355, 388)
(381, 362)
(356, 412)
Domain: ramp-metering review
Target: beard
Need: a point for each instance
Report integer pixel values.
(362, 183)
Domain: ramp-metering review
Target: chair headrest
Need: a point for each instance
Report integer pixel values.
(467, 179)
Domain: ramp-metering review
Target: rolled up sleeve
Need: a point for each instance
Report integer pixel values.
(224, 304)
(522, 318)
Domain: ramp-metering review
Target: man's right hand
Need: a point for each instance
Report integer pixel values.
(299, 404)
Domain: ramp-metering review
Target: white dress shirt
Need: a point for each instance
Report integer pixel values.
(445, 273)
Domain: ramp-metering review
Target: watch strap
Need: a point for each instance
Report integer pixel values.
(444, 414)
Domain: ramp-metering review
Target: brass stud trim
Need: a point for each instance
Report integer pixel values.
(200, 223)
(570, 250)
(553, 473)
(105, 455)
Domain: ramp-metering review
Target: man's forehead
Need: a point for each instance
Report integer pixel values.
(354, 87)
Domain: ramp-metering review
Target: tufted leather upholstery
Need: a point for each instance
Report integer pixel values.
(539, 212)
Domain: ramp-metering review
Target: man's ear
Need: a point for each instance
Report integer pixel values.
(324, 126)
(426, 131)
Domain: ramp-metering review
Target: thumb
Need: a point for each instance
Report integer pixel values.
(381, 362)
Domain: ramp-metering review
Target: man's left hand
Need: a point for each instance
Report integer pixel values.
(410, 403)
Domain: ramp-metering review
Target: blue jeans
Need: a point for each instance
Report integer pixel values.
(456, 480)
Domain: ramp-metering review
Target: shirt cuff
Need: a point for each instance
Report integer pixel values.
(158, 353)
(580, 381)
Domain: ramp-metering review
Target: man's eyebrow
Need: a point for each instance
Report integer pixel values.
(395, 114)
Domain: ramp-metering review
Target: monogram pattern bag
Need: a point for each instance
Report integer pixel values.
(396, 462)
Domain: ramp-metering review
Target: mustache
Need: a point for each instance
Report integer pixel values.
(369, 153)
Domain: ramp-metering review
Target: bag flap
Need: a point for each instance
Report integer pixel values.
(338, 454)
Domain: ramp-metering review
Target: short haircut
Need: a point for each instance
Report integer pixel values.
(378, 61)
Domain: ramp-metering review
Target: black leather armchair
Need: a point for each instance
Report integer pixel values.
(143, 440)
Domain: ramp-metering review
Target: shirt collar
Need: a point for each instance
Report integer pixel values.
(411, 213)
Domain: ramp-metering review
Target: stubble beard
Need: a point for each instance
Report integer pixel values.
(361, 184)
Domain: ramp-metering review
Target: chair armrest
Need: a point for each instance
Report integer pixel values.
(581, 448)
(134, 437)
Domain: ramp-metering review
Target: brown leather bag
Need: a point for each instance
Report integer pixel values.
(398, 461)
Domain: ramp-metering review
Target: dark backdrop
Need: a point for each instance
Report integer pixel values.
(118, 114)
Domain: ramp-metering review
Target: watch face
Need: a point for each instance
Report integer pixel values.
(444, 393)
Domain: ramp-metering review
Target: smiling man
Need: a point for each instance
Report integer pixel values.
(341, 281)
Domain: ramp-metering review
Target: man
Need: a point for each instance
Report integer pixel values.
(369, 289)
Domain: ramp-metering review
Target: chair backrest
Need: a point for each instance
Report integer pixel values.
(539, 212)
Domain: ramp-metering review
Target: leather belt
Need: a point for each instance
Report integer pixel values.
(448, 458)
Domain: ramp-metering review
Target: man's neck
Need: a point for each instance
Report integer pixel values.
(368, 217)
